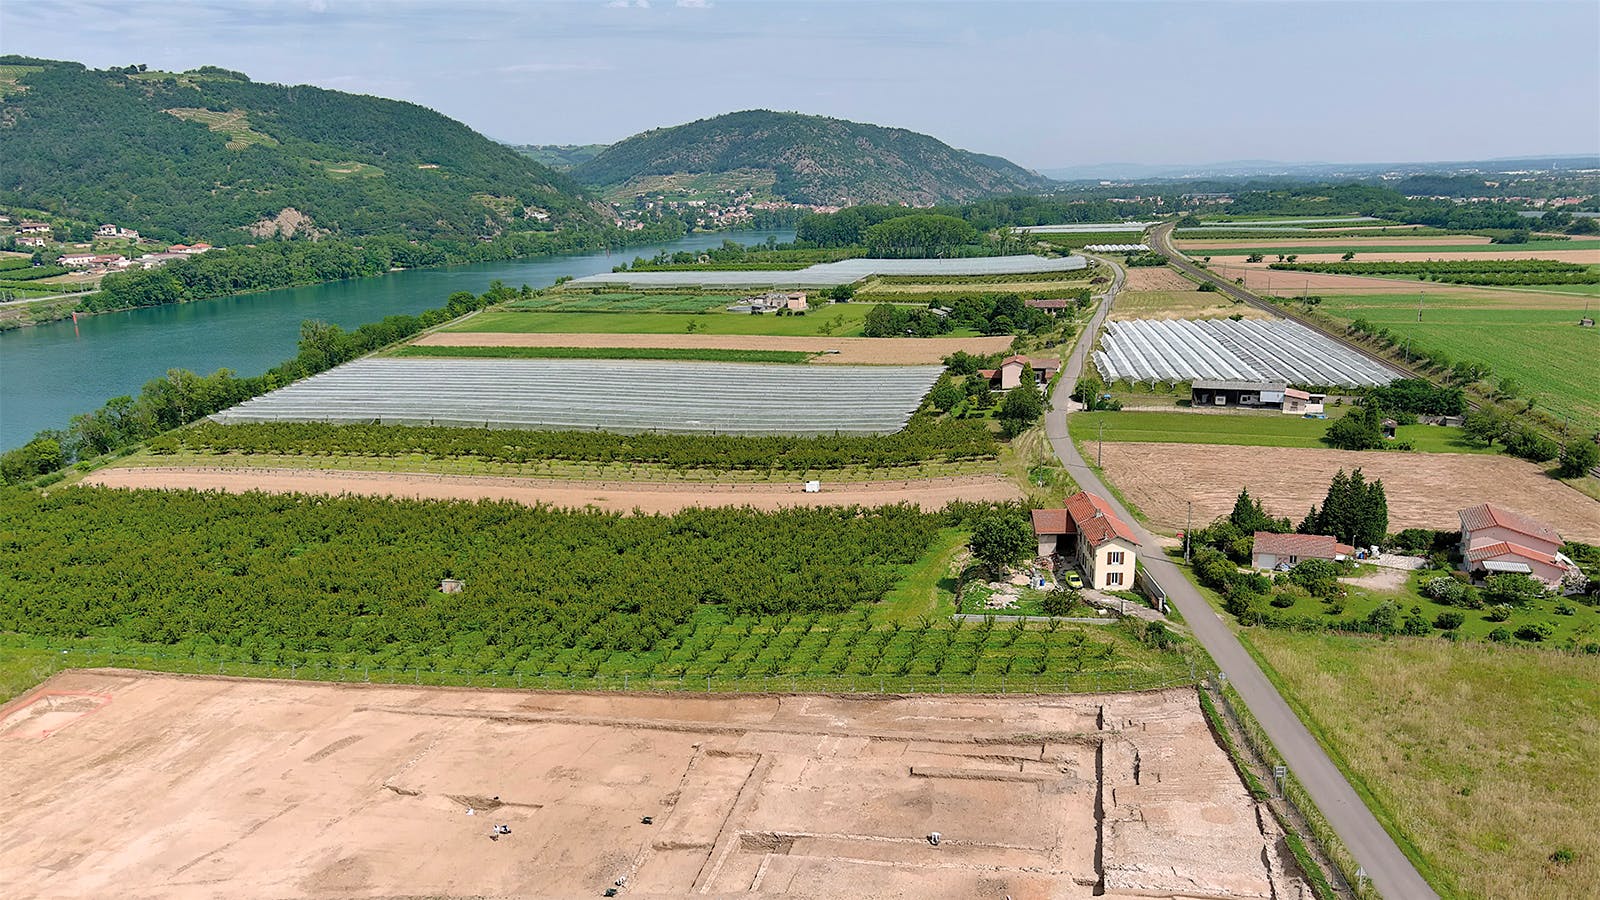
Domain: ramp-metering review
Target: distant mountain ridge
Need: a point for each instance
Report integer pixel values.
(559, 156)
(211, 154)
(814, 159)
(1247, 168)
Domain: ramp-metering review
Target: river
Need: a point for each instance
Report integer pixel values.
(49, 373)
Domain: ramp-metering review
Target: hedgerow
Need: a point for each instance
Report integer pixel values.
(922, 440)
(1465, 271)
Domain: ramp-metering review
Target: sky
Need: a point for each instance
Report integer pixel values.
(1046, 85)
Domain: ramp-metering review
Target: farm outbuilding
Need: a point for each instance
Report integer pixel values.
(1013, 369)
(1282, 552)
(1223, 392)
(1088, 534)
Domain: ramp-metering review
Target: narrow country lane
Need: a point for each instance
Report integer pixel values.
(1391, 872)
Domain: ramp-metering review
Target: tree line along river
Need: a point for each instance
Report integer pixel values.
(49, 373)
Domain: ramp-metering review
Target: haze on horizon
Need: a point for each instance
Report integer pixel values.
(1047, 85)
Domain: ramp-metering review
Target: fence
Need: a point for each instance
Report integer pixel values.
(1352, 880)
(989, 683)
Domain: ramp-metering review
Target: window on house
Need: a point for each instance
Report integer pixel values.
(1113, 578)
(1114, 558)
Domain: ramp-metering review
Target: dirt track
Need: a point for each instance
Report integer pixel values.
(128, 784)
(1425, 490)
(852, 351)
(624, 497)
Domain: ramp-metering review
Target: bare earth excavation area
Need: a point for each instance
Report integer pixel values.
(178, 786)
(928, 493)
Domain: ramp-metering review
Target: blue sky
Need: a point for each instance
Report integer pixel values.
(1044, 84)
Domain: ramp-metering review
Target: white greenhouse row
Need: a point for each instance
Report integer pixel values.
(1247, 350)
(609, 395)
(849, 271)
(1083, 227)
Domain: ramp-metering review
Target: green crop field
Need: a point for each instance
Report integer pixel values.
(1246, 429)
(1083, 239)
(579, 301)
(838, 320)
(1479, 758)
(677, 353)
(1534, 339)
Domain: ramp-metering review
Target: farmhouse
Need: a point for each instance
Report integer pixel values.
(76, 259)
(771, 302)
(1087, 534)
(1053, 307)
(33, 228)
(1009, 375)
(1283, 551)
(1496, 540)
(32, 241)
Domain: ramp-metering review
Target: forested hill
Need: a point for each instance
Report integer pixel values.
(205, 153)
(815, 160)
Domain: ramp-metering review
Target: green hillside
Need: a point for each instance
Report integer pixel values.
(206, 153)
(560, 156)
(814, 160)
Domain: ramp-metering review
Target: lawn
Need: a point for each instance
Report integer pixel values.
(584, 301)
(838, 320)
(1481, 759)
(21, 669)
(1246, 429)
(1534, 340)
(676, 353)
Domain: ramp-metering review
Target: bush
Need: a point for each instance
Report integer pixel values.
(1449, 621)
(1536, 631)
(1444, 589)
(1513, 588)
(1318, 576)
(1385, 618)
(1416, 626)
(1566, 609)
(1500, 635)
(1283, 601)
(1497, 613)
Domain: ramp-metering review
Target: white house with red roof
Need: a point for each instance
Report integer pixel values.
(1496, 540)
(1088, 534)
(1281, 552)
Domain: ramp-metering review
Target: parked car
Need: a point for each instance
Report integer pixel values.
(1315, 416)
(1073, 580)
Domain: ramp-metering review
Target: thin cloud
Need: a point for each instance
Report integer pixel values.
(539, 68)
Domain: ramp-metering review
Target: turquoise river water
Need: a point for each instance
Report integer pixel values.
(50, 373)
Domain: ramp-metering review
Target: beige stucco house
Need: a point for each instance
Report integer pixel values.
(1087, 534)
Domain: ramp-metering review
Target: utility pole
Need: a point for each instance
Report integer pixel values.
(1420, 297)
(1188, 526)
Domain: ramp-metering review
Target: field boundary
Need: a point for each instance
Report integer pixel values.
(1101, 682)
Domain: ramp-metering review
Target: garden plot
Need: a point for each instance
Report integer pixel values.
(618, 395)
(1275, 350)
(832, 274)
(283, 789)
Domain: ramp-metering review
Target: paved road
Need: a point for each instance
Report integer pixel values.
(1391, 872)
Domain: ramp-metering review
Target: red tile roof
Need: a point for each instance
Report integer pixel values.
(1303, 546)
(1096, 521)
(1506, 548)
(1085, 514)
(1052, 521)
(1487, 515)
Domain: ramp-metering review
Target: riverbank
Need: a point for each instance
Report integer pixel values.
(56, 370)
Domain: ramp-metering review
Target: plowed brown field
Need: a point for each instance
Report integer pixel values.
(1425, 490)
(623, 497)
